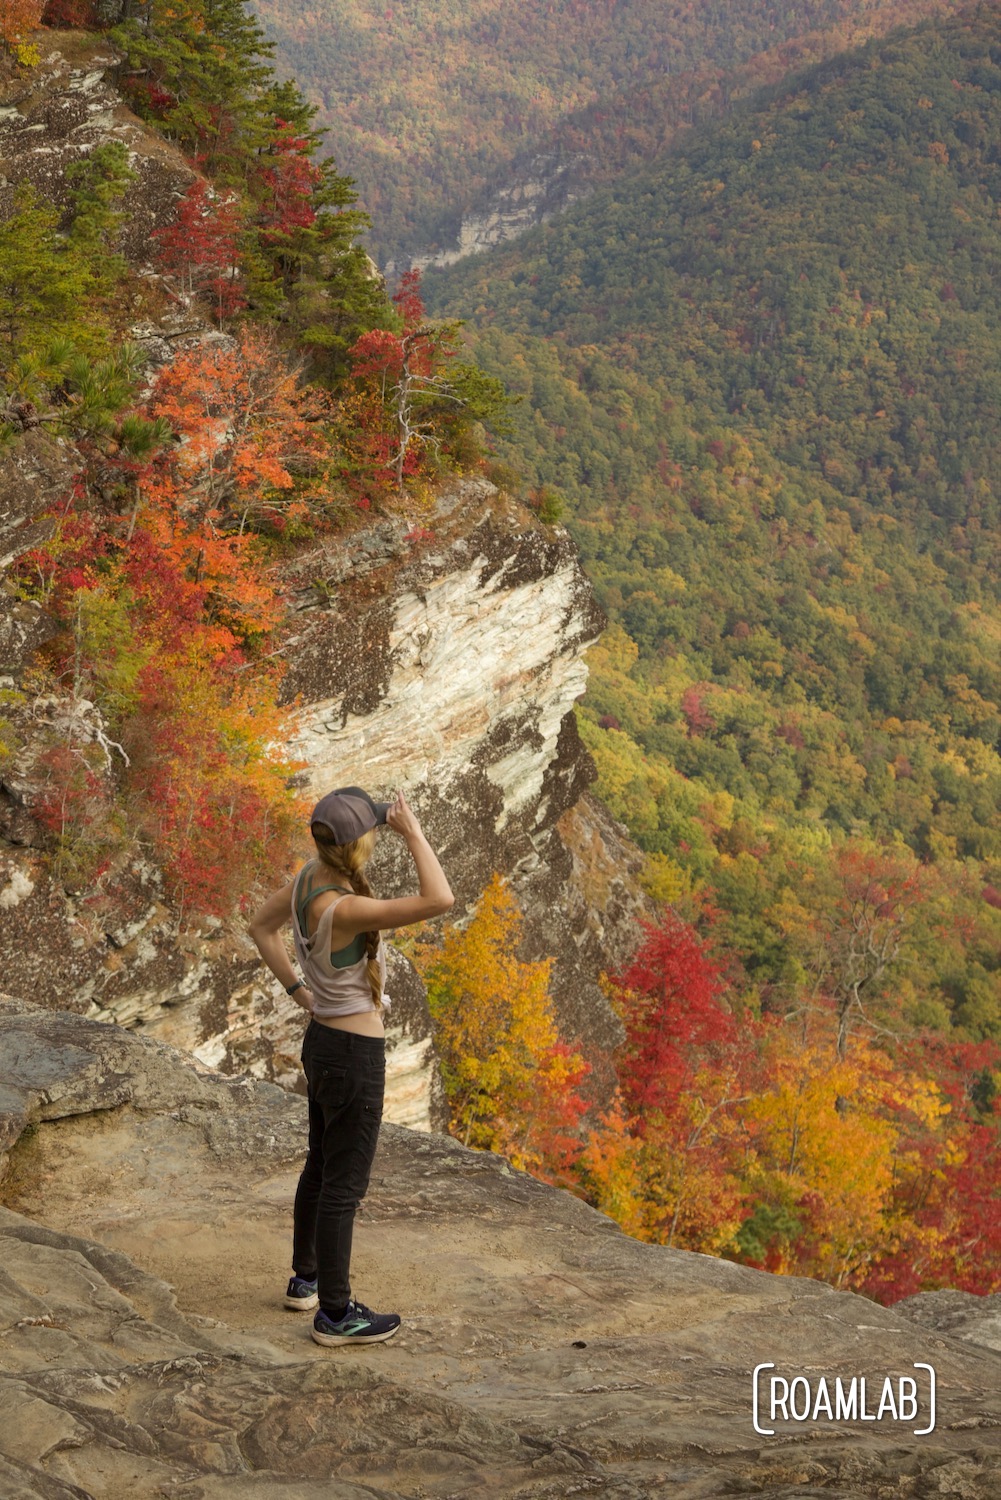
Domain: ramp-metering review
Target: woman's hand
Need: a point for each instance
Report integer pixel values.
(402, 819)
(304, 996)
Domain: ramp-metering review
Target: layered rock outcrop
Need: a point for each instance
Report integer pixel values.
(452, 673)
(58, 112)
(144, 1243)
(540, 186)
(446, 666)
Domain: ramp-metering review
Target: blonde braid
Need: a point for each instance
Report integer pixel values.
(349, 860)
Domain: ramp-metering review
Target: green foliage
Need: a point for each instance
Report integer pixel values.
(201, 70)
(761, 373)
(200, 66)
(157, 562)
(481, 397)
(549, 504)
(105, 638)
(52, 282)
(101, 179)
(44, 282)
(62, 388)
(431, 106)
(331, 292)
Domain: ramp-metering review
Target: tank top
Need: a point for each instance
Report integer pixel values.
(339, 981)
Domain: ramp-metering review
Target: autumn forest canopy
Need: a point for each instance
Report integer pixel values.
(761, 377)
(432, 107)
(764, 388)
(754, 371)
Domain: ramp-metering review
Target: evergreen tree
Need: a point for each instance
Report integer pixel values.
(44, 281)
(100, 181)
(198, 67)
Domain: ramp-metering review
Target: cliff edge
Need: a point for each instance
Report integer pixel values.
(443, 659)
(145, 1350)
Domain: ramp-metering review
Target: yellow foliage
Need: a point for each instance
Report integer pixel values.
(668, 581)
(721, 805)
(615, 651)
(610, 665)
(981, 760)
(789, 915)
(837, 614)
(630, 782)
(686, 1201)
(941, 846)
(823, 1130)
(662, 879)
(494, 1029)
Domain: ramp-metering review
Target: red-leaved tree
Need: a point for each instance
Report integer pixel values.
(287, 182)
(403, 381)
(201, 248)
(686, 1067)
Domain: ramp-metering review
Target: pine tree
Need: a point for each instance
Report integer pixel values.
(101, 180)
(44, 282)
(198, 66)
(307, 231)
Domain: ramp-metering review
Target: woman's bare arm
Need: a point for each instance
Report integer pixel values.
(366, 914)
(265, 929)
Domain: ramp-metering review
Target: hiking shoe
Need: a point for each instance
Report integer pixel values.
(359, 1325)
(301, 1295)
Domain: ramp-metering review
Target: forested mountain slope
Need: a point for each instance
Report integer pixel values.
(430, 107)
(764, 374)
(203, 389)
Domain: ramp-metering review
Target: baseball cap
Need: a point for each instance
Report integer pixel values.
(348, 813)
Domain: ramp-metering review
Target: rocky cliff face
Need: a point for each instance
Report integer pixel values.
(448, 668)
(540, 186)
(452, 673)
(144, 1241)
(58, 112)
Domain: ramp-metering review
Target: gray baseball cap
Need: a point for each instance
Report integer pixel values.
(348, 813)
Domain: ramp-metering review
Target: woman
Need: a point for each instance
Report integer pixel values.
(336, 927)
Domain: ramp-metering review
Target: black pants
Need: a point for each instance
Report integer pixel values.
(346, 1083)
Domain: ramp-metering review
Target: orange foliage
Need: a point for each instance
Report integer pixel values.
(218, 575)
(164, 607)
(17, 18)
(214, 800)
(874, 1167)
(238, 413)
(610, 1168)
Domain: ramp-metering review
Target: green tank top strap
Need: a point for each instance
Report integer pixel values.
(312, 891)
(340, 958)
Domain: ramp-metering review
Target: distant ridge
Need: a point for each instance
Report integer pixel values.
(442, 112)
(764, 374)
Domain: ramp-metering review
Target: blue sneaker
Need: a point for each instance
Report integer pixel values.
(359, 1325)
(301, 1295)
